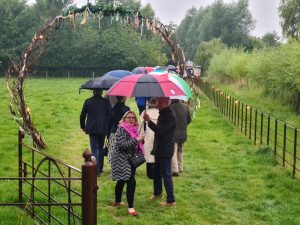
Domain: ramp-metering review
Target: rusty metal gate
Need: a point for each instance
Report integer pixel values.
(52, 191)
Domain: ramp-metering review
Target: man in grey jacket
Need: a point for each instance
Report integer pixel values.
(183, 116)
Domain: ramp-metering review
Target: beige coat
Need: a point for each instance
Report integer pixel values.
(149, 134)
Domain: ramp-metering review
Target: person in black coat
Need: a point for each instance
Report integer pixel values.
(163, 149)
(119, 110)
(96, 120)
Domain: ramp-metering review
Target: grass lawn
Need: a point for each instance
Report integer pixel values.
(226, 180)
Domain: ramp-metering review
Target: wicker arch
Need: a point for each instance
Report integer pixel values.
(18, 72)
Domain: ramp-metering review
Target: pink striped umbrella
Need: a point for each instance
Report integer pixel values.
(145, 85)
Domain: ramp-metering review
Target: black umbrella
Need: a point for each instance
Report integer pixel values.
(104, 83)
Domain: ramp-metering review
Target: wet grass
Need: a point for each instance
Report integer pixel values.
(226, 180)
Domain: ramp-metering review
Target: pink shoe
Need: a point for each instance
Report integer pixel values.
(134, 213)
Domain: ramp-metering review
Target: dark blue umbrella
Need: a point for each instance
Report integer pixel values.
(118, 73)
(104, 83)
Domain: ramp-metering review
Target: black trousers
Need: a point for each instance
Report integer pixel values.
(130, 190)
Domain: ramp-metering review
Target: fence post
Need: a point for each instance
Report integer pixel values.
(284, 144)
(20, 140)
(238, 124)
(295, 151)
(232, 108)
(235, 103)
(89, 190)
(255, 125)
(261, 127)
(250, 122)
(246, 119)
(275, 138)
(268, 134)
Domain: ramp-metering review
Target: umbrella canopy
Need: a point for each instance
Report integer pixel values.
(181, 83)
(146, 85)
(118, 73)
(104, 82)
(142, 70)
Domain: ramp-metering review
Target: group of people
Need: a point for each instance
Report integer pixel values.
(159, 134)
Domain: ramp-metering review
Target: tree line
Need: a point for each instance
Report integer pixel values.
(217, 37)
(82, 50)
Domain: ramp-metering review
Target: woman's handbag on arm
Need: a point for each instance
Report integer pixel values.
(137, 159)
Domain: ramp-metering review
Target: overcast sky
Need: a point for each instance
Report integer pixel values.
(265, 12)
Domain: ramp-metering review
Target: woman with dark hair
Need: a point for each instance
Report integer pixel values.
(128, 142)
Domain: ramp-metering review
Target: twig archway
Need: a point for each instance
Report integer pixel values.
(18, 72)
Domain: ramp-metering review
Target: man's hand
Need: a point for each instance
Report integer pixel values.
(146, 117)
(141, 137)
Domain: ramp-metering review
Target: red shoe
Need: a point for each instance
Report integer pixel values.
(134, 213)
(117, 204)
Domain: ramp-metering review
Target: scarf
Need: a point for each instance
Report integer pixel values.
(133, 132)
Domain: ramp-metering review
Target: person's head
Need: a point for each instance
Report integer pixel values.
(163, 102)
(152, 103)
(130, 118)
(98, 92)
(121, 98)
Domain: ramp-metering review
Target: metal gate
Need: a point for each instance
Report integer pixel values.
(52, 191)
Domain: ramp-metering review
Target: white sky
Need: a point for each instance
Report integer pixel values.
(264, 12)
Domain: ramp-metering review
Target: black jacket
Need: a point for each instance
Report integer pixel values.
(182, 112)
(163, 146)
(119, 110)
(96, 116)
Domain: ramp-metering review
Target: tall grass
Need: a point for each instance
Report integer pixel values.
(226, 180)
(275, 70)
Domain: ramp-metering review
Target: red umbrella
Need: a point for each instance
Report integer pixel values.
(142, 70)
(145, 85)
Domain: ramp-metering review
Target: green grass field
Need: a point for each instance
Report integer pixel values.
(226, 179)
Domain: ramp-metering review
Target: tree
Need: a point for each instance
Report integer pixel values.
(15, 30)
(271, 39)
(230, 22)
(289, 11)
(206, 51)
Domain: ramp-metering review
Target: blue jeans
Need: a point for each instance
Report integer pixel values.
(162, 170)
(96, 143)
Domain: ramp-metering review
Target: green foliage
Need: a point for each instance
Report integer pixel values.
(275, 69)
(113, 46)
(290, 15)
(15, 30)
(231, 22)
(271, 39)
(206, 50)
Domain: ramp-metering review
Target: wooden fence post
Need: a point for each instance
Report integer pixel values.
(89, 190)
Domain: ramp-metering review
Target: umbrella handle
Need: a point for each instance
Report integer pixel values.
(145, 125)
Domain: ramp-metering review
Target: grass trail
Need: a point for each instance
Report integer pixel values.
(226, 180)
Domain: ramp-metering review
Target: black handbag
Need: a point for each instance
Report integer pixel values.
(137, 159)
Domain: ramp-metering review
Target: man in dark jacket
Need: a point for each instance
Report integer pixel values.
(119, 110)
(182, 112)
(95, 120)
(163, 150)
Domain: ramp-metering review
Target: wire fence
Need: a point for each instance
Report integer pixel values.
(262, 128)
